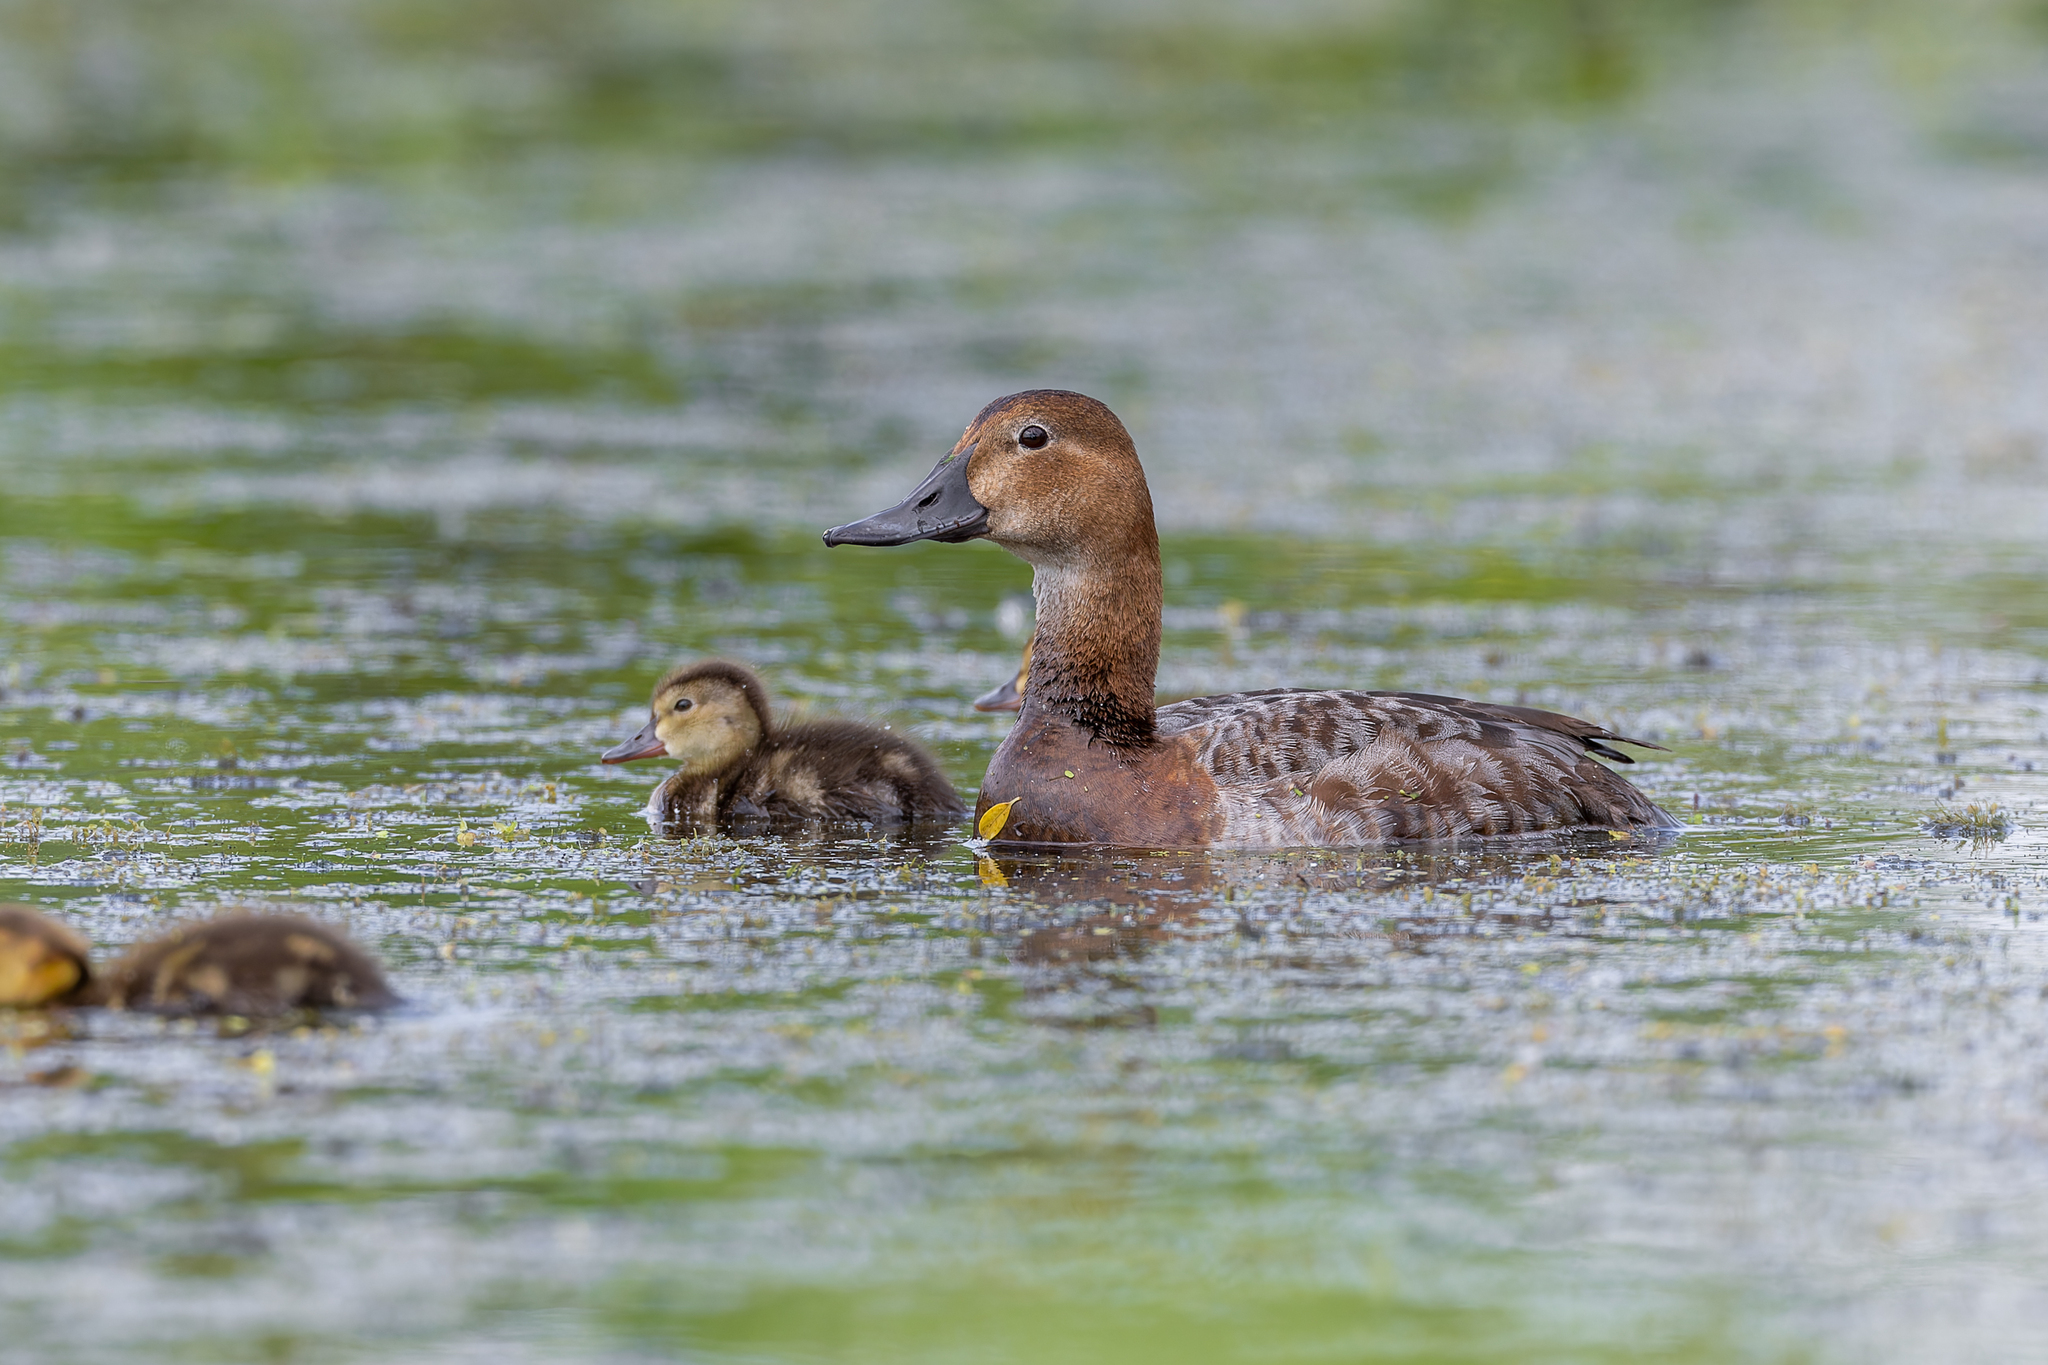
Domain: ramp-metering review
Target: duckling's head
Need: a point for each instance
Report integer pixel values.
(707, 716)
(1009, 696)
(41, 961)
(1049, 475)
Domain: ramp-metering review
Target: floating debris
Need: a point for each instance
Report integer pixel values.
(1977, 823)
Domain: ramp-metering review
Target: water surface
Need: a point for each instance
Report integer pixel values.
(361, 473)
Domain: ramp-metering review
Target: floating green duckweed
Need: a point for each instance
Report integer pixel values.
(388, 394)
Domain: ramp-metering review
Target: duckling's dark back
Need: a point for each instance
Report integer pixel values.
(245, 964)
(846, 770)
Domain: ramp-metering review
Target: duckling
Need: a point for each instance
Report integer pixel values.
(739, 762)
(244, 963)
(1053, 478)
(42, 962)
(1009, 696)
(239, 963)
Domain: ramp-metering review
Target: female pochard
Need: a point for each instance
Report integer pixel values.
(1053, 478)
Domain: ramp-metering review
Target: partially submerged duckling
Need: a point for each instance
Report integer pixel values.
(42, 962)
(240, 963)
(738, 762)
(1009, 696)
(244, 963)
(1053, 477)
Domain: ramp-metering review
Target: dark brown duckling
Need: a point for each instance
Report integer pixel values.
(1010, 696)
(244, 963)
(739, 762)
(42, 962)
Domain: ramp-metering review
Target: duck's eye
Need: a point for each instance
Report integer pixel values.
(1033, 437)
(684, 703)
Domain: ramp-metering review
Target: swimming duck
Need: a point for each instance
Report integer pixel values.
(739, 762)
(239, 963)
(1053, 477)
(42, 962)
(244, 963)
(1009, 696)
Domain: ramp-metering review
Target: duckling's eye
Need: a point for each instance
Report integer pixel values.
(1033, 437)
(684, 703)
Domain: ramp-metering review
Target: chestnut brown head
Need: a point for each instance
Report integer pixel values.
(1047, 474)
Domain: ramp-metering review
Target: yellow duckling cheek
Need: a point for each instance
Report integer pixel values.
(27, 984)
(993, 819)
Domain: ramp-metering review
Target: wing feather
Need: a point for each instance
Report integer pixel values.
(1365, 767)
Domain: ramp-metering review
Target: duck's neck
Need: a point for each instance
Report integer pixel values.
(1096, 653)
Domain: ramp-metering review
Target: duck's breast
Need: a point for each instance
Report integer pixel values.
(1063, 787)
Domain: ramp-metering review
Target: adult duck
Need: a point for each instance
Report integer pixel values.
(739, 761)
(1053, 478)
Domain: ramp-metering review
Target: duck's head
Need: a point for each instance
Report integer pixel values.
(41, 961)
(1047, 474)
(706, 715)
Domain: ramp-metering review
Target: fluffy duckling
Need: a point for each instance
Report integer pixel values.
(240, 963)
(739, 762)
(1053, 477)
(42, 962)
(1010, 696)
(244, 963)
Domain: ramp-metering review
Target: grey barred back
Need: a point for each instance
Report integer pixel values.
(1296, 767)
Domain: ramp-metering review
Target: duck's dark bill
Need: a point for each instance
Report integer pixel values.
(941, 508)
(646, 744)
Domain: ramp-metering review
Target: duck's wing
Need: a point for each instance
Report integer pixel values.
(1298, 767)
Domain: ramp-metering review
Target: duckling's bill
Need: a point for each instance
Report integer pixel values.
(942, 508)
(645, 744)
(1010, 696)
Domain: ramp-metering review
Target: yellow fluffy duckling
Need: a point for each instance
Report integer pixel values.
(739, 762)
(42, 962)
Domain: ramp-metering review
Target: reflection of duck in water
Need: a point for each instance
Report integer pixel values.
(1052, 477)
(738, 761)
(1077, 907)
(236, 964)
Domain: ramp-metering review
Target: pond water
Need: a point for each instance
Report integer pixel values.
(362, 466)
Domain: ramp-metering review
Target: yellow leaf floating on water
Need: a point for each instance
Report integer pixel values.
(465, 835)
(1617, 834)
(993, 819)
